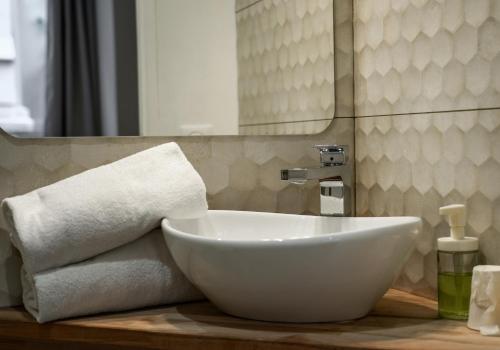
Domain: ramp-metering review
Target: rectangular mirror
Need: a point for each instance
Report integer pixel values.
(170, 68)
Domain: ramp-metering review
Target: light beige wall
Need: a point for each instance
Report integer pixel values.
(193, 58)
(413, 59)
(240, 172)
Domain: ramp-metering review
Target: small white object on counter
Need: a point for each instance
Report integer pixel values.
(484, 310)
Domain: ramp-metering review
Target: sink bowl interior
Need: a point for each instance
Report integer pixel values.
(255, 226)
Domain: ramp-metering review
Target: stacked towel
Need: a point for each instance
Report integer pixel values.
(138, 274)
(90, 215)
(103, 208)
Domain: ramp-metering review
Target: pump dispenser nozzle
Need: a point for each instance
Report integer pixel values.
(456, 219)
(457, 241)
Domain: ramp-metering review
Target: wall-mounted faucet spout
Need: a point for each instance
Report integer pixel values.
(301, 175)
(334, 178)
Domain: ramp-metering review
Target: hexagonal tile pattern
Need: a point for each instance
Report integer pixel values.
(285, 66)
(215, 174)
(440, 160)
(243, 175)
(442, 51)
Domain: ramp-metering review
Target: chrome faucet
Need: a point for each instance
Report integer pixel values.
(334, 179)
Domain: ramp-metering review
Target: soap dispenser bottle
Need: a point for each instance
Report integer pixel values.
(457, 256)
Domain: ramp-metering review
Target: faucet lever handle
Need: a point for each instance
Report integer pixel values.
(332, 155)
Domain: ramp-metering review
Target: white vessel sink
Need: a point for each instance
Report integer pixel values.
(291, 268)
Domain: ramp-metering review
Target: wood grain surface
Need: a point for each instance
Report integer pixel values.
(399, 321)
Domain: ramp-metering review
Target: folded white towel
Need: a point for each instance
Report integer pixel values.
(103, 208)
(138, 274)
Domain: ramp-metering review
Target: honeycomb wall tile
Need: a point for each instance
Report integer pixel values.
(302, 62)
(439, 160)
(426, 56)
(285, 54)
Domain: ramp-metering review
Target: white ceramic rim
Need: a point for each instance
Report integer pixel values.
(311, 240)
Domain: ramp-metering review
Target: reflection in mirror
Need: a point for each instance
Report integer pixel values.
(285, 66)
(176, 67)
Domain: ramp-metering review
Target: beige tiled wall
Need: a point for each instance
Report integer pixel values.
(240, 172)
(285, 66)
(412, 165)
(426, 55)
(423, 57)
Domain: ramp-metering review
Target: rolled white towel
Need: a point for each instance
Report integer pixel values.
(138, 274)
(103, 208)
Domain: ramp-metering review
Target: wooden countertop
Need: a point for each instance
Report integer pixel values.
(399, 321)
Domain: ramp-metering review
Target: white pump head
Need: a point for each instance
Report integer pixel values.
(456, 219)
(457, 240)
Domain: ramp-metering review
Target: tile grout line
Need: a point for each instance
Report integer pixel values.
(430, 112)
(247, 6)
(377, 116)
(289, 122)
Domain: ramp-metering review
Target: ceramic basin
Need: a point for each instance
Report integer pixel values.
(291, 268)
